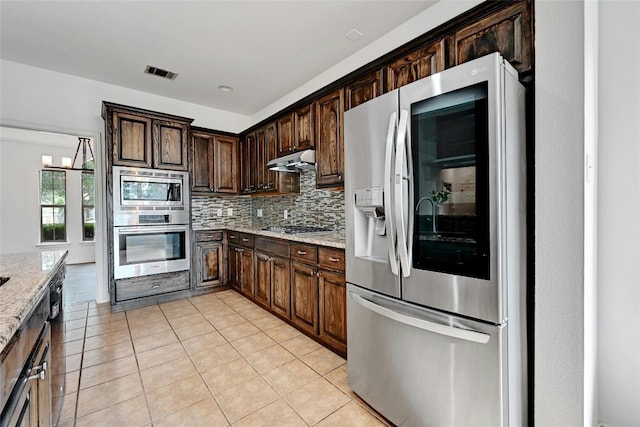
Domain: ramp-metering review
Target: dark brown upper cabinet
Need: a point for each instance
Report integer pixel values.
(131, 140)
(214, 163)
(508, 31)
(303, 134)
(362, 90)
(415, 66)
(285, 135)
(329, 139)
(201, 162)
(146, 139)
(269, 178)
(225, 161)
(248, 164)
(170, 141)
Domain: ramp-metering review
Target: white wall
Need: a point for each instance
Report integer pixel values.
(434, 16)
(37, 98)
(559, 237)
(20, 165)
(619, 214)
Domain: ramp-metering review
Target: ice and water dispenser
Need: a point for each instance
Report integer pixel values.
(369, 224)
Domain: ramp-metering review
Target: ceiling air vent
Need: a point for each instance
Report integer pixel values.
(160, 72)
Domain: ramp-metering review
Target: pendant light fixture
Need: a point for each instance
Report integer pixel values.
(86, 165)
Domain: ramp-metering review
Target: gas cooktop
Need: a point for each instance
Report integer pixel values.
(298, 229)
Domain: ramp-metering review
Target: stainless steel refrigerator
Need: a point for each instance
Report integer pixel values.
(435, 248)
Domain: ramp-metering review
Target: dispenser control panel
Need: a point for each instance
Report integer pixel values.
(370, 201)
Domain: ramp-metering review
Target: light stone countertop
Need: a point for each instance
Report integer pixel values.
(331, 239)
(29, 274)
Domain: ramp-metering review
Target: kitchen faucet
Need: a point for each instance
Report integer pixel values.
(433, 211)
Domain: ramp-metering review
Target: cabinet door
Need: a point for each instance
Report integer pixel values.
(304, 297)
(225, 164)
(210, 258)
(281, 287)
(247, 164)
(261, 160)
(507, 31)
(303, 122)
(329, 139)
(333, 310)
(234, 266)
(263, 279)
(271, 136)
(246, 272)
(285, 135)
(170, 145)
(363, 90)
(415, 66)
(201, 162)
(131, 140)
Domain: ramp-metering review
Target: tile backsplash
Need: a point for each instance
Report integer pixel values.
(311, 206)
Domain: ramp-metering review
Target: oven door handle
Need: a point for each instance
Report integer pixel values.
(151, 228)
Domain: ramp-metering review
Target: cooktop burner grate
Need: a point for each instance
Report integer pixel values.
(298, 229)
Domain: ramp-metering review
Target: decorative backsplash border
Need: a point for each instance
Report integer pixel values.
(311, 206)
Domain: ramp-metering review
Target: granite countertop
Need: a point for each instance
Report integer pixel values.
(331, 239)
(29, 274)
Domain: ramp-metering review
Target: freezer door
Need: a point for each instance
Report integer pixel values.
(369, 150)
(418, 367)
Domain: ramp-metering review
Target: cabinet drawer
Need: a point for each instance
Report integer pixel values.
(139, 287)
(272, 246)
(305, 253)
(330, 258)
(208, 236)
(241, 239)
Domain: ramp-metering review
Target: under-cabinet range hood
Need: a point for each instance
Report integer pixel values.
(302, 160)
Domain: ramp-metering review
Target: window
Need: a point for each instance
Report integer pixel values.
(88, 206)
(53, 201)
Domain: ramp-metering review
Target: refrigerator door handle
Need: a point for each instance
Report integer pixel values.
(388, 202)
(451, 331)
(404, 217)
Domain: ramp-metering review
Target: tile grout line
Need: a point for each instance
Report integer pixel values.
(135, 355)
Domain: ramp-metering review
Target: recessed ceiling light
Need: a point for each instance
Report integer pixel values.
(223, 88)
(353, 35)
(160, 72)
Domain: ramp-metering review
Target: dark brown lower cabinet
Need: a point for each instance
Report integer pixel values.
(281, 287)
(304, 297)
(246, 272)
(263, 279)
(234, 266)
(209, 265)
(333, 309)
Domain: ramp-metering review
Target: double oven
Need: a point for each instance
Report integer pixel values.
(151, 221)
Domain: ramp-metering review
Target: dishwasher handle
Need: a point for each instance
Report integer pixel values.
(451, 331)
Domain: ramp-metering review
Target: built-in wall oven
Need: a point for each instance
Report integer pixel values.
(151, 221)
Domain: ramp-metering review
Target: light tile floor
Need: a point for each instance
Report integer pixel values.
(79, 284)
(212, 360)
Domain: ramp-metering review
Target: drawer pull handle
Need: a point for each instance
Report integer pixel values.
(332, 259)
(245, 239)
(232, 237)
(155, 286)
(302, 252)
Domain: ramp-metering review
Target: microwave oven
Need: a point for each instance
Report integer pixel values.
(150, 196)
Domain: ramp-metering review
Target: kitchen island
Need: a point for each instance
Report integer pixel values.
(29, 275)
(32, 371)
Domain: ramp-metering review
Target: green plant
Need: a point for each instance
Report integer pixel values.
(440, 197)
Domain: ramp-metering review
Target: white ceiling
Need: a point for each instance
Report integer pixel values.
(263, 49)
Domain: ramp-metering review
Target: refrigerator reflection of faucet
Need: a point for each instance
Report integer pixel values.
(435, 249)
